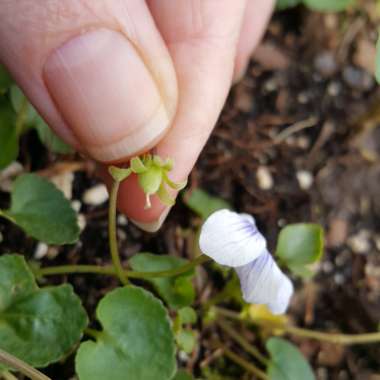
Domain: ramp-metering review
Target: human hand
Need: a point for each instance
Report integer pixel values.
(116, 78)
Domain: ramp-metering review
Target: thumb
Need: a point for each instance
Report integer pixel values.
(97, 71)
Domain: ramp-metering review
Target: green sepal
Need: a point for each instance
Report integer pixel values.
(137, 165)
(164, 196)
(119, 174)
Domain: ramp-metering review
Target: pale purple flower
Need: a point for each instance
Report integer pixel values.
(233, 240)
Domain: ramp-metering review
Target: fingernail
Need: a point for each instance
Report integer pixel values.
(106, 94)
(154, 226)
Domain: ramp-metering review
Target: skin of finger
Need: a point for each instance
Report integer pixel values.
(256, 16)
(201, 37)
(31, 31)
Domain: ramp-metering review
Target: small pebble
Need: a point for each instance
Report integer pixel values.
(357, 79)
(76, 205)
(41, 251)
(303, 98)
(339, 279)
(360, 242)
(334, 89)
(305, 179)
(96, 195)
(327, 266)
(122, 220)
(81, 219)
(264, 178)
(325, 64)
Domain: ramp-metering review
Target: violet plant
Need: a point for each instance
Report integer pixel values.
(138, 326)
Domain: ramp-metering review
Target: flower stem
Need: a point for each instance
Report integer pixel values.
(6, 375)
(13, 362)
(110, 270)
(113, 235)
(344, 339)
(242, 341)
(245, 364)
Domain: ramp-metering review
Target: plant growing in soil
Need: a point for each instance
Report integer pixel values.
(42, 325)
(149, 321)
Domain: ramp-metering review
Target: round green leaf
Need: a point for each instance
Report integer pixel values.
(8, 135)
(136, 342)
(37, 325)
(40, 209)
(187, 315)
(300, 244)
(204, 204)
(177, 291)
(186, 340)
(328, 5)
(287, 362)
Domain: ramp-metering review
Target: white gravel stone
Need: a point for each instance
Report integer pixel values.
(96, 195)
(76, 205)
(41, 251)
(264, 178)
(305, 179)
(81, 219)
(122, 220)
(360, 242)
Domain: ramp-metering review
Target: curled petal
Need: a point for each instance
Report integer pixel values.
(231, 239)
(262, 282)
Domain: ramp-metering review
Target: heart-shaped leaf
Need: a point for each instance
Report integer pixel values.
(40, 209)
(37, 325)
(287, 362)
(300, 245)
(177, 291)
(136, 342)
(204, 204)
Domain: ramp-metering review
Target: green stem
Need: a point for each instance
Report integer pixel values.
(345, 339)
(245, 364)
(227, 328)
(112, 234)
(13, 362)
(110, 270)
(21, 116)
(6, 375)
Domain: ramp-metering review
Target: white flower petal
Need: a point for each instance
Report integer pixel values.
(262, 282)
(231, 239)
